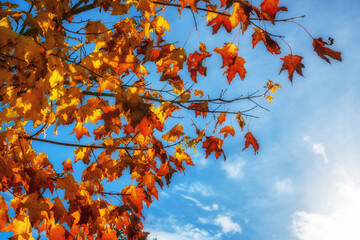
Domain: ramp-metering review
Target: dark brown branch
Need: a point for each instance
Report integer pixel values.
(91, 146)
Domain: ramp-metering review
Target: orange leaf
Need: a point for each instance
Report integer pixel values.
(213, 144)
(228, 129)
(200, 108)
(67, 165)
(80, 130)
(269, 9)
(221, 118)
(240, 120)
(175, 132)
(251, 140)
(231, 60)
(241, 14)
(194, 62)
(292, 63)
(220, 20)
(271, 45)
(57, 232)
(321, 50)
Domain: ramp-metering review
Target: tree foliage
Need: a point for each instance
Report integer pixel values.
(123, 91)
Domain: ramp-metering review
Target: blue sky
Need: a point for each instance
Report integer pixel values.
(304, 184)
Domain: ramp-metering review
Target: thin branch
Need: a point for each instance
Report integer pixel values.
(91, 146)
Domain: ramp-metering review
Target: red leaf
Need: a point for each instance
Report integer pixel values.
(194, 62)
(227, 130)
(231, 60)
(271, 45)
(292, 63)
(213, 144)
(221, 118)
(321, 50)
(269, 9)
(220, 20)
(251, 140)
(200, 108)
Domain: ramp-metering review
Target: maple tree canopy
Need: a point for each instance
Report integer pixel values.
(118, 95)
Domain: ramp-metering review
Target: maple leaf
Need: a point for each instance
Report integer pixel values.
(240, 120)
(194, 62)
(221, 118)
(241, 13)
(175, 132)
(251, 140)
(67, 165)
(80, 130)
(35, 205)
(213, 144)
(231, 60)
(220, 20)
(200, 108)
(322, 51)
(292, 63)
(192, 4)
(269, 9)
(271, 45)
(58, 209)
(228, 130)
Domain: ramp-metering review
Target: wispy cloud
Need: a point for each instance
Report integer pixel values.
(204, 190)
(284, 186)
(234, 169)
(196, 188)
(317, 148)
(227, 225)
(176, 230)
(213, 207)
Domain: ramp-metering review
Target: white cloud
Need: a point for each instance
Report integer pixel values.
(341, 224)
(213, 207)
(175, 230)
(234, 169)
(227, 225)
(204, 190)
(317, 148)
(195, 188)
(284, 186)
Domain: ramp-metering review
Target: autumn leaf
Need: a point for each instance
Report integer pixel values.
(322, 51)
(176, 132)
(251, 140)
(234, 63)
(228, 130)
(240, 120)
(67, 165)
(292, 63)
(80, 130)
(270, 44)
(221, 118)
(213, 144)
(220, 20)
(200, 108)
(269, 9)
(194, 62)
(241, 14)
